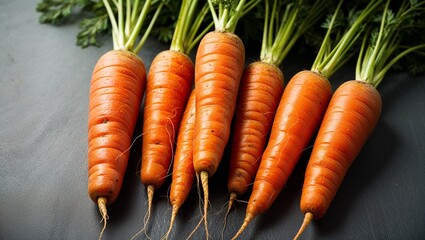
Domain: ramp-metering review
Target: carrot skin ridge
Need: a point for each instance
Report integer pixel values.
(183, 174)
(116, 90)
(297, 119)
(259, 94)
(350, 119)
(168, 87)
(218, 70)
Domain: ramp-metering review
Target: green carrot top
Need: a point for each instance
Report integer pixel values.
(229, 12)
(284, 23)
(128, 23)
(189, 21)
(335, 51)
(385, 45)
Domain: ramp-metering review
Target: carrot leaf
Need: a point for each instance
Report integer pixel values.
(190, 20)
(337, 46)
(284, 23)
(226, 13)
(391, 40)
(128, 21)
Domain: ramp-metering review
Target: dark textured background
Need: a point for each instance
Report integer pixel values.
(44, 82)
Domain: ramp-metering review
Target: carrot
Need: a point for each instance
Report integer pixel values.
(253, 120)
(116, 90)
(352, 114)
(218, 69)
(260, 91)
(297, 119)
(169, 84)
(183, 171)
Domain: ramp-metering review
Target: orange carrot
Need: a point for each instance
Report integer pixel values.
(259, 94)
(297, 119)
(183, 171)
(116, 91)
(168, 87)
(218, 69)
(354, 111)
(219, 65)
(298, 116)
(261, 89)
(350, 118)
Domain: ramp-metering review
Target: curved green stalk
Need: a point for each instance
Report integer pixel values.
(189, 21)
(326, 63)
(278, 40)
(373, 60)
(127, 24)
(228, 16)
(148, 30)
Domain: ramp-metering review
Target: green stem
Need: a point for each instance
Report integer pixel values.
(326, 41)
(227, 18)
(121, 35)
(135, 31)
(193, 36)
(134, 12)
(189, 21)
(113, 23)
(266, 31)
(330, 65)
(128, 19)
(148, 30)
(380, 75)
(232, 22)
(371, 63)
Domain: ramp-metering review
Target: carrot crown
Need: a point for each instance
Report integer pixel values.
(126, 26)
(333, 53)
(229, 13)
(284, 24)
(189, 22)
(385, 42)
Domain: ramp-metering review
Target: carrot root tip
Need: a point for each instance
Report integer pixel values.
(204, 181)
(307, 220)
(101, 203)
(232, 198)
(173, 218)
(150, 191)
(246, 221)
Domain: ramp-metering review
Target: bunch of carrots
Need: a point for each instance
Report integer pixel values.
(193, 110)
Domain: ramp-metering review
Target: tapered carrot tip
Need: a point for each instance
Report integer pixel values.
(246, 221)
(308, 217)
(150, 190)
(101, 203)
(204, 181)
(173, 218)
(231, 201)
